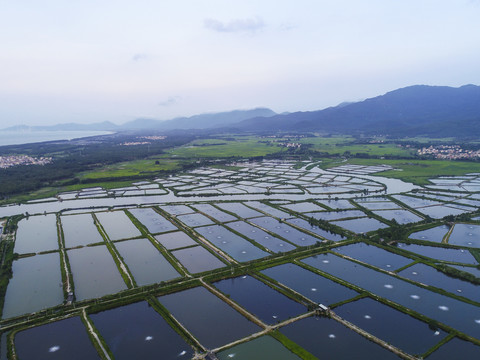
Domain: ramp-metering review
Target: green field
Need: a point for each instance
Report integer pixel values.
(240, 147)
(345, 144)
(132, 168)
(416, 171)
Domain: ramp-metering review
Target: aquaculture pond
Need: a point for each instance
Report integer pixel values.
(438, 212)
(435, 234)
(303, 207)
(145, 262)
(465, 235)
(80, 230)
(313, 286)
(400, 216)
(177, 209)
(64, 339)
(36, 234)
(304, 224)
(197, 259)
(215, 213)
(440, 253)
(175, 240)
(152, 220)
(430, 276)
(259, 299)
(94, 272)
(261, 237)
(36, 284)
(321, 336)
(269, 210)
(455, 348)
(374, 256)
(336, 204)
(239, 210)
(362, 225)
(237, 247)
(261, 348)
(137, 331)
(198, 309)
(286, 231)
(382, 205)
(336, 215)
(117, 225)
(401, 330)
(193, 220)
(457, 314)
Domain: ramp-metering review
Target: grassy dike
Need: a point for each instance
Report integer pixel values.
(122, 267)
(66, 271)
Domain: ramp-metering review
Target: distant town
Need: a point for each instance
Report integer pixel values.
(449, 152)
(15, 160)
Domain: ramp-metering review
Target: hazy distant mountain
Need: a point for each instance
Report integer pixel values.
(202, 121)
(414, 110)
(103, 126)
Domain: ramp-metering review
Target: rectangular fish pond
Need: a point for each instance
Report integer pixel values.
(36, 284)
(137, 331)
(95, 274)
(145, 262)
(259, 299)
(64, 339)
(36, 234)
(237, 247)
(152, 220)
(198, 310)
(80, 230)
(452, 312)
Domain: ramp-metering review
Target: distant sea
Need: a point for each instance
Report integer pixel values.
(28, 137)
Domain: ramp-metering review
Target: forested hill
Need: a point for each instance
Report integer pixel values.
(411, 111)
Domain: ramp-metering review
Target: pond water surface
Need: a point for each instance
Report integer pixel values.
(197, 259)
(137, 331)
(261, 237)
(261, 348)
(465, 235)
(391, 325)
(198, 309)
(80, 230)
(313, 286)
(321, 336)
(430, 276)
(175, 240)
(435, 234)
(36, 285)
(36, 234)
(286, 231)
(94, 272)
(64, 339)
(117, 225)
(259, 299)
(440, 253)
(153, 221)
(374, 256)
(145, 262)
(457, 314)
(234, 245)
(455, 348)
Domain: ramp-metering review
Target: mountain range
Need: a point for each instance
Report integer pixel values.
(437, 111)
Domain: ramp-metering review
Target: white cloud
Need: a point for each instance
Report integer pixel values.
(171, 100)
(237, 25)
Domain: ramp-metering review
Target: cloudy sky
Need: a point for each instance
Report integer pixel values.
(117, 60)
